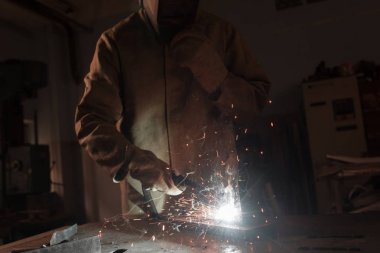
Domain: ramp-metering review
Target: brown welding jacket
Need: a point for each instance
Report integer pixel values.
(166, 110)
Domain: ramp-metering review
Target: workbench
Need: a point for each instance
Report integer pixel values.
(343, 233)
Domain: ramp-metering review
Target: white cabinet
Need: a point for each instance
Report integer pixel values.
(334, 124)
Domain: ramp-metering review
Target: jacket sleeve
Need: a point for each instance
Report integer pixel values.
(100, 109)
(244, 92)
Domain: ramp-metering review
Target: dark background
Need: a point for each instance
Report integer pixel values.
(289, 38)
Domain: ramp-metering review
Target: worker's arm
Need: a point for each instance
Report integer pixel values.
(97, 119)
(100, 110)
(233, 79)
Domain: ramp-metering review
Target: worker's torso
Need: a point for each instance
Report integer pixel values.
(166, 109)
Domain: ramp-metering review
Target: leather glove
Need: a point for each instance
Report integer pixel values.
(153, 173)
(192, 50)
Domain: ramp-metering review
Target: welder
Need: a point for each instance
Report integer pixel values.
(165, 89)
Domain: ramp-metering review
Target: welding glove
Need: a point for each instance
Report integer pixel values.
(192, 50)
(153, 173)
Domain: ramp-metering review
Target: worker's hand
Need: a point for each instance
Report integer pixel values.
(192, 50)
(152, 172)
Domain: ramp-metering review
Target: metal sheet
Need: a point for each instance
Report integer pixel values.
(64, 235)
(87, 245)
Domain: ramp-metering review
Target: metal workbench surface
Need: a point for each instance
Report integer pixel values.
(291, 234)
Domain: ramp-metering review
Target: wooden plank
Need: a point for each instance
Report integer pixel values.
(35, 241)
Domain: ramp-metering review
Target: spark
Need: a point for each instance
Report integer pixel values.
(270, 101)
(246, 130)
(272, 124)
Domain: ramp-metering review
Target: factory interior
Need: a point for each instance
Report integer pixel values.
(309, 161)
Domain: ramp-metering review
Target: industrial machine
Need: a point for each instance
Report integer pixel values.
(25, 168)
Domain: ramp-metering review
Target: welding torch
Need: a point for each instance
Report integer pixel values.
(181, 182)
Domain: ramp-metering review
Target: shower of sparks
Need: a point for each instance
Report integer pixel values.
(214, 205)
(191, 214)
(220, 205)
